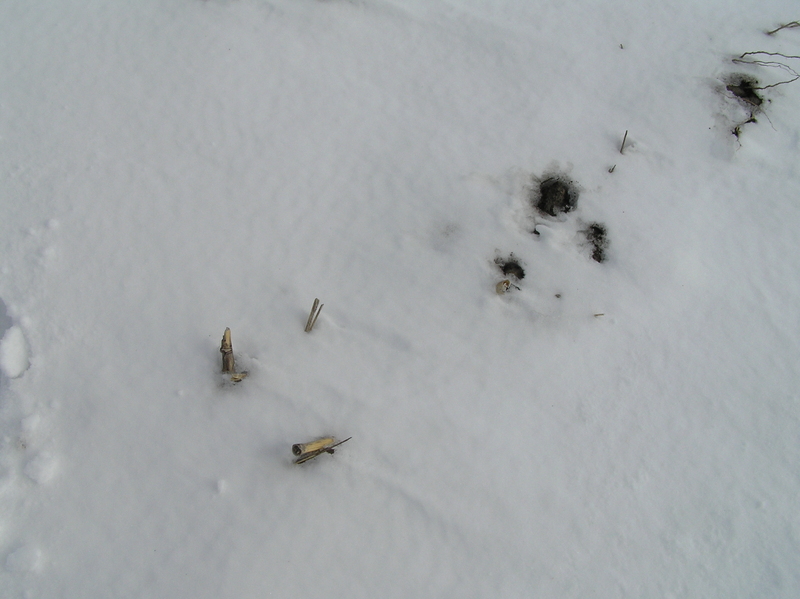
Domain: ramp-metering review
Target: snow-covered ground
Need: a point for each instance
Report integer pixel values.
(625, 428)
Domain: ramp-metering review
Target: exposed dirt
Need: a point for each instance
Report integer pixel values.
(511, 267)
(597, 236)
(554, 196)
(745, 89)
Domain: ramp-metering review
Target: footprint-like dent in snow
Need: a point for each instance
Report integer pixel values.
(31, 423)
(42, 468)
(14, 357)
(25, 559)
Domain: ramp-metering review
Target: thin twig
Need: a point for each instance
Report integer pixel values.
(622, 147)
(791, 25)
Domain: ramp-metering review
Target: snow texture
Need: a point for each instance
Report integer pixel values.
(24, 559)
(13, 353)
(624, 428)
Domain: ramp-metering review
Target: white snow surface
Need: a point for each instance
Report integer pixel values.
(13, 353)
(174, 167)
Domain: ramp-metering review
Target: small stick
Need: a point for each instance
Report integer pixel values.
(622, 147)
(226, 349)
(312, 318)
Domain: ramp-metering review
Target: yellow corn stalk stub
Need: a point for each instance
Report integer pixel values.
(301, 448)
(320, 448)
(226, 349)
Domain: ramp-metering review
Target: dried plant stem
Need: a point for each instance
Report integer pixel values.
(770, 63)
(624, 138)
(226, 349)
(308, 451)
(791, 25)
(312, 317)
(301, 448)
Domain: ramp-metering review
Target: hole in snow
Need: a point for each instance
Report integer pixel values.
(511, 267)
(744, 89)
(555, 195)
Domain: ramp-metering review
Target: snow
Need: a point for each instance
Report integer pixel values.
(23, 559)
(13, 353)
(616, 429)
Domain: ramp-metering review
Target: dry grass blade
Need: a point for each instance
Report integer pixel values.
(790, 25)
(770, 63)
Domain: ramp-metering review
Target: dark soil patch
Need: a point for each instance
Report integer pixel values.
(511, 267)
(554, 196)
(745, 89)
(597, 236)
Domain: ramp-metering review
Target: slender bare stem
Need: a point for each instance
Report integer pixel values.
(787, 26)
(312, 317)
